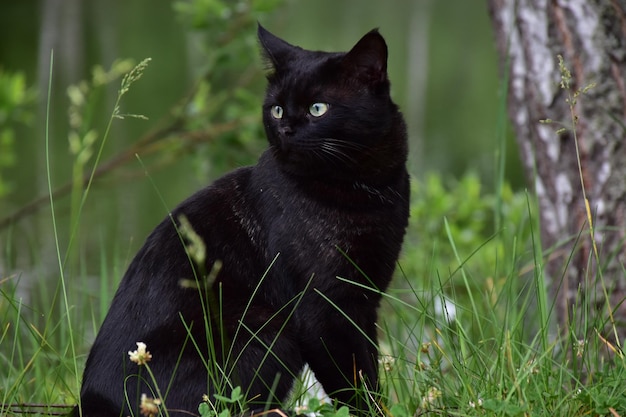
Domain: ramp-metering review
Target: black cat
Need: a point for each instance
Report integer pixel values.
(306, 239)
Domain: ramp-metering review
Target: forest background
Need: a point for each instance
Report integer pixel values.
(442, 63)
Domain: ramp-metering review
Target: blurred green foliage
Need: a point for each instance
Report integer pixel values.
(460, 217)
(206, 85)
(16, 100)
(225, 101)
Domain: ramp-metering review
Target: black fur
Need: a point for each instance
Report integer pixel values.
(328, 199)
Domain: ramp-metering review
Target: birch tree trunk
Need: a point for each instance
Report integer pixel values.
(590, 35)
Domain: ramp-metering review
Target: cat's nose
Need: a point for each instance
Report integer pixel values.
(285, 130)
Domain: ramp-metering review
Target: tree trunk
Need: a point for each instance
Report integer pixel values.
(590, 35)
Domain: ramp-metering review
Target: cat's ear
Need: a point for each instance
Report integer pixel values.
(368, 58)
(276, 51)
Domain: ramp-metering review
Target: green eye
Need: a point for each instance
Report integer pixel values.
(277, 112)
(318, 109)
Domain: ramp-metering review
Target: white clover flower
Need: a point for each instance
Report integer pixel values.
(579, 347)
(477, 404)
(149, 407)
(431, 397)
(387, 362)
(140, 356)
(301, 409)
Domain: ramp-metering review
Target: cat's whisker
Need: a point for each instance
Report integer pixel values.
(346, 144)
(345, 148)
(322, 154)
(335, 153)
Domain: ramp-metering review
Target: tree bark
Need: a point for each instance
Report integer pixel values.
(590, 35)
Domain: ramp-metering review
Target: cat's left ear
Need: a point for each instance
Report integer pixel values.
(276, 51)
(368, 58)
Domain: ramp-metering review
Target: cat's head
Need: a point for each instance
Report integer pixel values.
(329, 114)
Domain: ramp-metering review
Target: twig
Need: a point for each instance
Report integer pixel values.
(37, 409)
(114, 162)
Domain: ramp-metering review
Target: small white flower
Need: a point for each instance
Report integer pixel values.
(387, 362)
(431, 397)
(140, 356)
(579, 347)
(149, 407)
(477, 404)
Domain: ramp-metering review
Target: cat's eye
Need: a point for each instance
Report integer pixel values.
(318, 109)
(277, 112)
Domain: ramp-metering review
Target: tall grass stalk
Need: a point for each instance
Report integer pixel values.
(539, 281)
(468, 287)
(80, 188)
(77, 207)
(62, 278)
(571, 100)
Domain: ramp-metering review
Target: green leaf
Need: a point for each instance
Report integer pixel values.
(236, 395)
(221, 398)
(204, 410)
(398, 410)
(343, 412)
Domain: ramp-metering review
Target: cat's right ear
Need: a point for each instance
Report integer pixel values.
(277, 52)
(367, 60)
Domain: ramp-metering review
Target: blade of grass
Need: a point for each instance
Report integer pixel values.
(54, 224)
(477, 316)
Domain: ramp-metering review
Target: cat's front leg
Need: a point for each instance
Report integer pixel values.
(340, 346)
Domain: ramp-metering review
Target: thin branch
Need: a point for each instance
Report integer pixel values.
(147, 145)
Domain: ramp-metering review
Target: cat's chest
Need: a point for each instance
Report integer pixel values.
(322, 228)
(310, 234)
